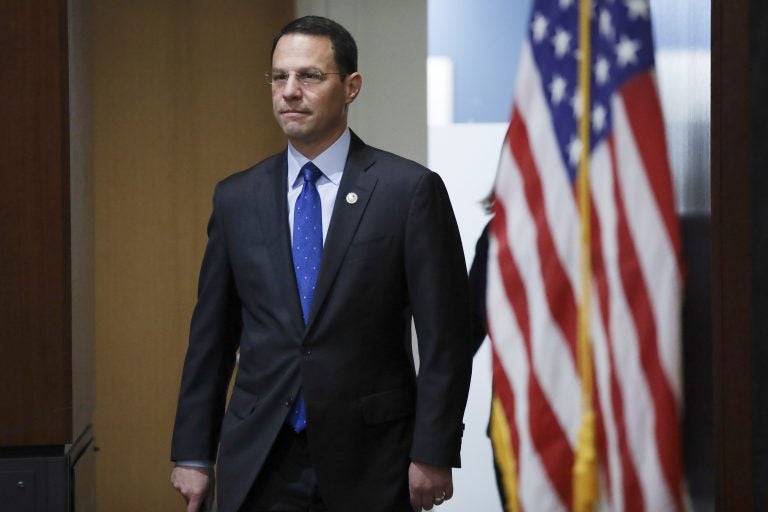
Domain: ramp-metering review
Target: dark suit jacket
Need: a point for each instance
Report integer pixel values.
(393, 253)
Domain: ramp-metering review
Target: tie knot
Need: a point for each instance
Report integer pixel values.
(310, 172)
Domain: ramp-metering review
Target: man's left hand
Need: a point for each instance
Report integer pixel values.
(429, 485)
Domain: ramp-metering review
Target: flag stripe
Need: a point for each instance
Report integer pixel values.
(547, 435)
(560, 297)
(602, 312)
(665, 414)
(558, 192)
(644, 113)
(657, 256)
(630, 496)
(555, 368)
(534, 488)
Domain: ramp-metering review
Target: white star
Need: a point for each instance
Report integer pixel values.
(602, 70)
(562, 42)
(564, 4)
(574, 150)
(577, 104)
(626, 51)
(637, 8)
(606, 24)
(557, 87)
(599, 118)
(539, 27)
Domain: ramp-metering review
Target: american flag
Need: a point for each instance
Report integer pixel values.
(533, 289)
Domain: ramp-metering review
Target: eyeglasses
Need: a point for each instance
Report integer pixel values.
(278, 79)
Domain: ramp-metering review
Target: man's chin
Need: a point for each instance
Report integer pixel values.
(294, 130)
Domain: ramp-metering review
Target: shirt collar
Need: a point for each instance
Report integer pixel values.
(331, 161)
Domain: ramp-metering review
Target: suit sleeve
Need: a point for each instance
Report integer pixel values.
(439, 295)
(210, 359)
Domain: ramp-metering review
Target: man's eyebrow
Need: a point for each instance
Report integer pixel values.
(298, 70)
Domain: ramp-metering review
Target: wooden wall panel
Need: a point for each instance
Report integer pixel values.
(758, 130)
(179, 103)
(35, 361)
(732, 272)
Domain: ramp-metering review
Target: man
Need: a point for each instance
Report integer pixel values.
(316, 260)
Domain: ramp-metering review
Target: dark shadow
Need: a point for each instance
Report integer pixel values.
(697, 362)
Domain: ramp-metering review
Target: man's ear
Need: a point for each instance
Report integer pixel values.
(353, 84)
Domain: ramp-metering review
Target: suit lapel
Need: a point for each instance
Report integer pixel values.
(272, 207)
(345, 219)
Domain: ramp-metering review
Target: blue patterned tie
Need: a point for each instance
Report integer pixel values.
(307, 251)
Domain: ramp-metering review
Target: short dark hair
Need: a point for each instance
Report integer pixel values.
(342, 42)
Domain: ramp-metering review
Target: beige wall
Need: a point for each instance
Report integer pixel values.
(391, 111)
(178, 103)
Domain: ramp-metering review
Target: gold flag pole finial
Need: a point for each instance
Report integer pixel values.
(585, 490)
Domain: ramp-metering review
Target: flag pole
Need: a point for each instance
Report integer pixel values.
(585, 466)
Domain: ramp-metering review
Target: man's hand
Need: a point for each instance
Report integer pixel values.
(195, 486)
(429, 485)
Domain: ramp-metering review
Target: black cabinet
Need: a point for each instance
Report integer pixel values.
(48, 478)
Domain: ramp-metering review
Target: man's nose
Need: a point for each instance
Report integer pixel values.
(292, 87)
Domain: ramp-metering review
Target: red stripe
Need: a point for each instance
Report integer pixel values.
(602, 443)
(665, 409)
(641, 103)
(560, 296)
(503, 389)
(601, 283)
(548, 437)
(633, 494)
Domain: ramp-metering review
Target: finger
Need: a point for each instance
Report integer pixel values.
(449, 491)
(427, 501)
(416, 502)
(194, 504)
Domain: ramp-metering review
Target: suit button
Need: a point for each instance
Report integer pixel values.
(308, 353)
(288, 403)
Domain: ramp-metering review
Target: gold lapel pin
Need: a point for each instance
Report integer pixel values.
(351, 198)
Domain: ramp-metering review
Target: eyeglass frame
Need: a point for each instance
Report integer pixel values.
(301, 76)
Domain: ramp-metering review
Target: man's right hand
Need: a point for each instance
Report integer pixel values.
(195, 485)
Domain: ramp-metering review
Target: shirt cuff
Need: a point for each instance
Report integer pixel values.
(195, 463)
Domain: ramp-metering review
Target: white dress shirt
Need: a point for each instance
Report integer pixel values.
(331, 163)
